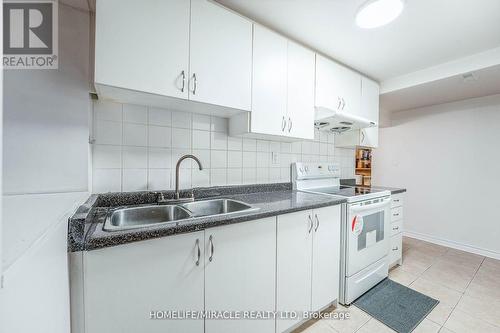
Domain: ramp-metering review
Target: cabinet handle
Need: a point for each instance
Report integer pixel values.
(199, 252)
(339, 105)
(317, 222)
(283, 124)
(195, 83)
(210, 239)
(362, 136)
(183, 80)
(395, 228)
(395, 248)
(395, 214)
(310, 224)
(343, 103)
(289, 124)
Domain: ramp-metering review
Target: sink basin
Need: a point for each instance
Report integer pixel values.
(217, 207)
(136, 217)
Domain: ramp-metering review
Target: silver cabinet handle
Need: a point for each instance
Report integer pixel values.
(283, 124)
(199, 252)
(310, 224)
(210, 239)
(395, 248)
(339, 104)
(317, 222)
(395, 228)
(183, 80)
(289, 124)
(362, 136)
(395, 214)
(343, 103)
(195, 83)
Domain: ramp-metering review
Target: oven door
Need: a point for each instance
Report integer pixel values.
(368, 236)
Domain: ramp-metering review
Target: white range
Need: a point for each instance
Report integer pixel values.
(365, 230)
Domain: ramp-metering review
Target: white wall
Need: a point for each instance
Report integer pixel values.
(136, 148)
(45, 177)
(447, 157)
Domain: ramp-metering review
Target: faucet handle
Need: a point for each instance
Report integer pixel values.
(160, 197)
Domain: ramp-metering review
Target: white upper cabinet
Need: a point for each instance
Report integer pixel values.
(269, 84)
(300, 106)
(337, 87)
(220, 56)
(143, 45)
(370, 92)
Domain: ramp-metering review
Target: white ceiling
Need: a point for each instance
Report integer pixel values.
(428, 33)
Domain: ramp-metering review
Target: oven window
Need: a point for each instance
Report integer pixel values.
(373, 230)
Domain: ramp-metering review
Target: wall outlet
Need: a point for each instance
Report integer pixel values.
(275, 158)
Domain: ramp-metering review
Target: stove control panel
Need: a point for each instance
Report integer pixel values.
(310, 170)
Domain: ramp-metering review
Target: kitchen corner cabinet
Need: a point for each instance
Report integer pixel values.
(240, 271)
(337, 87)
(366, 137)
(308, 254)
(186, 50)
(123, 284)
(282, 90)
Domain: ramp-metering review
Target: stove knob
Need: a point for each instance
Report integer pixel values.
(301, 170)
(306, 168)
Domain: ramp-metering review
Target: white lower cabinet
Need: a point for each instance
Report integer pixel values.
(396, 249)
(294, 258)
(240, 270)
(325, 262)
(308, 254)
(124, 284)
(288, 263)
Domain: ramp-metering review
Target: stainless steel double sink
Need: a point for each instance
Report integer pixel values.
(142, 216)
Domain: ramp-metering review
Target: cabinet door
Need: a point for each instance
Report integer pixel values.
(326, 257)
(370, 92)
(220, 56)
(124, 284)
(369, 137)
(337, 87)
(143, 45)
(300, 106)
(269, 83)
(294, 255)
(240, 274)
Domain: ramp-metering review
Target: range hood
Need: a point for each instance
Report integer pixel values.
(339, 121)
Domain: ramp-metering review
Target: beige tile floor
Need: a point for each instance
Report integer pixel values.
(467, 286)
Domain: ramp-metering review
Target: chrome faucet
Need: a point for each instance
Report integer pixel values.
(177, 197)
(177, 167)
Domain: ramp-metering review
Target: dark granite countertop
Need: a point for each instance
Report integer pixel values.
(352, 182)
(85, 226)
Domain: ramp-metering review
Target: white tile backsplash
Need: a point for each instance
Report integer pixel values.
(137, 148)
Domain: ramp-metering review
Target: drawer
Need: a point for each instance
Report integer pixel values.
(396, 249)
(396, 214)
(397, 201)
(396, 227)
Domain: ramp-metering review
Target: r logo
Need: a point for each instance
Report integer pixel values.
(27, 28)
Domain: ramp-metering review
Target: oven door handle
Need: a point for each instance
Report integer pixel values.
(385, 202)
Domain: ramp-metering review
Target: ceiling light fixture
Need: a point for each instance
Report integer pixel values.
(376, 13)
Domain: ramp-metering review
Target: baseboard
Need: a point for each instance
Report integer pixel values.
(453, 244)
